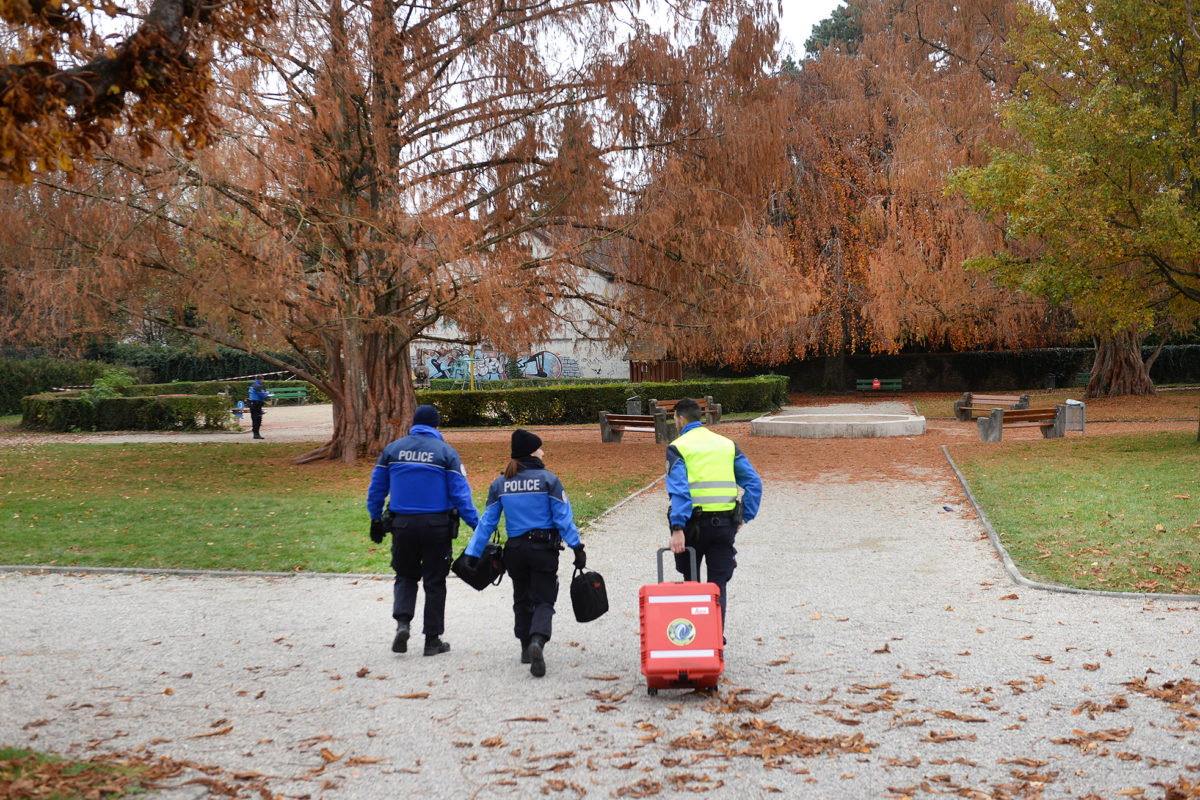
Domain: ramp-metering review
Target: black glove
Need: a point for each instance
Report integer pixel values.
(471, 562)
(377, 531)
(580, 558)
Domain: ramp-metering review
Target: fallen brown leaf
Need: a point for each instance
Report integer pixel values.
(218, 732)
(355, 761)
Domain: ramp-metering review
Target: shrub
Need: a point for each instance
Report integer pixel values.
(236, 390)
(163, 363)
(21, 377)
(113, 383)
(68, 411)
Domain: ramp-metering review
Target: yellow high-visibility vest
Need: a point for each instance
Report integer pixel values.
(709, 459)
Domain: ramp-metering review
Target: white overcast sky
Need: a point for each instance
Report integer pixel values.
(799, 16)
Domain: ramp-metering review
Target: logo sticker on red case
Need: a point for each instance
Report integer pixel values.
(681, 632)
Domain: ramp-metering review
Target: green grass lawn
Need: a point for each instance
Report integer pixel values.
(55, 778)
(228, 506)
(1117, 512)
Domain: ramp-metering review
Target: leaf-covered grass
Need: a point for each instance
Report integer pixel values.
(228, 506)
(1118, 512)
(30, 774)
(1167, 404)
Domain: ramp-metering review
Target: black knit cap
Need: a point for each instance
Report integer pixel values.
(524, 443)
(427, 415)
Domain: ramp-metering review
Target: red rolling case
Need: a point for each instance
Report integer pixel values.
(681, 632)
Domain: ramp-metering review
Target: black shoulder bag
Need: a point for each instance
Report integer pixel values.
(589, 599)
(487, 571)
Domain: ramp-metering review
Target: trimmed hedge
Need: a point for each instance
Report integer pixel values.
(163, 363)
(1008, 370)
(237, 390)
(437, 384)
(20, 377)
(69, 411)
(582, 403)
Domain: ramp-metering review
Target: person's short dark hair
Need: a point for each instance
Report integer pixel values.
(688, 409)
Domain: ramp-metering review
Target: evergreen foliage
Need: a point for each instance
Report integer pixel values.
(842, 30)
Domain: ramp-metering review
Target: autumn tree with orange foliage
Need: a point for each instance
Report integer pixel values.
(878, 124)
(73, 74)
(389, 167)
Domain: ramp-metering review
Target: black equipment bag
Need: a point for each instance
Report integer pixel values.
(488, 570)
(589, 598)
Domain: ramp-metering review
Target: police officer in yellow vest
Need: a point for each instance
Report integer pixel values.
(704, 471)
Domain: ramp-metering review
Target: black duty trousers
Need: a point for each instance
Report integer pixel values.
(421, 552)
(533, 567)
(713, 537)
(256, 416)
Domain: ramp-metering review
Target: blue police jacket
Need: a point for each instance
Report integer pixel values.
(533, 499)
(258, 392)
(681, 495)
(421, 474)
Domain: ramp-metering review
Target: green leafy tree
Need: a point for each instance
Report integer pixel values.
(1100, 198)
(842, 30)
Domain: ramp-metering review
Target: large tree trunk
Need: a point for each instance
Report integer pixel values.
(1119, 368)
(833, 378)
(371, 385)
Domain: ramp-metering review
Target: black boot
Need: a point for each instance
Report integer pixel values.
(525, 652)
(434, 646)
(400, 643)
(537, 661)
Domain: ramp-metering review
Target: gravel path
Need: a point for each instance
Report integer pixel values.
(876, 648)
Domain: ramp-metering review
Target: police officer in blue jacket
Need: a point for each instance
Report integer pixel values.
(704, 471)
(258, 395)
(427, 490)
(538, 520)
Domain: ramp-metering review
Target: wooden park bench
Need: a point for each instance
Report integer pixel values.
(614, 426)
(299, 393)
(1052, 421)
(865, 385)
(975, 405)
(710, 410)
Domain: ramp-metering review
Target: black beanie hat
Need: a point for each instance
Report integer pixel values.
(426, 415)
(524, 443)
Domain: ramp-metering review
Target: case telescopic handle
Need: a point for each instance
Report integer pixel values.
(691, 554)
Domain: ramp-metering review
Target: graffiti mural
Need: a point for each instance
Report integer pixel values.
(455, 363)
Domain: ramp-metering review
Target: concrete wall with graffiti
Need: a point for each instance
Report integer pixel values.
(559, 359)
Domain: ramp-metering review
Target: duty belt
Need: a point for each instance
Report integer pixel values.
(543, 535)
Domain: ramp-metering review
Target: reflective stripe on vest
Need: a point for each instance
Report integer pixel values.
(709, 459)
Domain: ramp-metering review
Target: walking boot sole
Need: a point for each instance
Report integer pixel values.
(537, 660)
